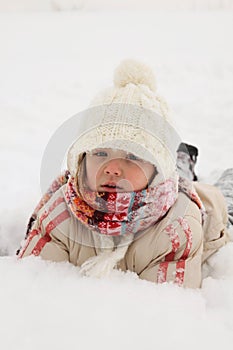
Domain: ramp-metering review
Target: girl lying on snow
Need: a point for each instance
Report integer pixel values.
(121, 204)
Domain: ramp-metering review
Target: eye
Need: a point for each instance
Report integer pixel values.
(100, 154)
(131, 156)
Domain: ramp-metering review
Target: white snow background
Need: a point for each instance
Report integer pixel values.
(51, 65)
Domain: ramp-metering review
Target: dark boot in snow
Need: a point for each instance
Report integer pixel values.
(186, 160)
(225, 184)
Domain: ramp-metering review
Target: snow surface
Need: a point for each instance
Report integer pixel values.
(113, 5)
(51, 65)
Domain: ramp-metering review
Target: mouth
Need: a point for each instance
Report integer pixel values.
(110, 187)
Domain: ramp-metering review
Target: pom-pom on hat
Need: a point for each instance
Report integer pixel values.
(135, 84)
(134, 72)
(130, 116)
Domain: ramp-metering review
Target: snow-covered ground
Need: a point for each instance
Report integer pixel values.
(113, 5)
(51, 65)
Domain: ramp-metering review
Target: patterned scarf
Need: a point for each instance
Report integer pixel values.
(185, 186)
(118, 214)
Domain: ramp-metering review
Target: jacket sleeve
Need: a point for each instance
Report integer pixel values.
(178, 254)
(47, 237)
(215, 230)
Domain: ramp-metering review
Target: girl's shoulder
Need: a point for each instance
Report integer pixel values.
(210, 195)
(184, 207)
(55, 205)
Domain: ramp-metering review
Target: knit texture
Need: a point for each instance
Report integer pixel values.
(129, 116)
(117, 213)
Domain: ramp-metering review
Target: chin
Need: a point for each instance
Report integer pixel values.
(111, 190)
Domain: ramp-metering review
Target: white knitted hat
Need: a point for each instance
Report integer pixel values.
(132, 117)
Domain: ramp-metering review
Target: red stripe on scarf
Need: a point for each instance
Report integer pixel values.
(56, 184)
(51, 208)
(51, 225)
(32, 234)
(56, 221)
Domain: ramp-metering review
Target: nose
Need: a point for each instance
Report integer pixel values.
(113, 167)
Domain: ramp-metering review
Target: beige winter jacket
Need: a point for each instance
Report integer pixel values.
(156, 255)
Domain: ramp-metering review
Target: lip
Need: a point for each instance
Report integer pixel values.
(111, 187)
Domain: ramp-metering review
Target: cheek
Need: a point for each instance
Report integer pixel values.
(150, 172)
(93, 171)
(135, 174)
(93, 168)
(143, 174)
(90, 165)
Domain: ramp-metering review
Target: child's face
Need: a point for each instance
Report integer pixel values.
(109, 170)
